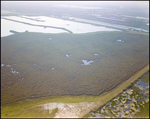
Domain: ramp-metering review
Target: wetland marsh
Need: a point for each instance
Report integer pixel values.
(128, 104)
(34, 56)
(84, 59)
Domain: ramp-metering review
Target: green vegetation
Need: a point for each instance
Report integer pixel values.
(16, 108)
(135, 105)
(34, 56)
(127, 100)
(120, 98)
(144, 111)
(105, 114)
(25, 49)
(113, 104)
(99, 111)
(136, 89)
(34, 111)
(145, 78)
(92, 115)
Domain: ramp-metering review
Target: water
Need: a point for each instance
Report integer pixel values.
(129, 102)
(75, 27)
(7, 25)
(139, 100)
(142, 84)
(101, 116)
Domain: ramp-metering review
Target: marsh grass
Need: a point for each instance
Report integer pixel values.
(136, 104)
(30, 112)
(145, 78)
(136, 89)
(28, 48)
(22, 108)
(144, 111)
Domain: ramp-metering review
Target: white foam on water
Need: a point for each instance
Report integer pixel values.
(50, 38)
(2, 65)
(87, 62)
(95, 54)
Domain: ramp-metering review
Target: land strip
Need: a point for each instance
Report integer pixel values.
(108, 25)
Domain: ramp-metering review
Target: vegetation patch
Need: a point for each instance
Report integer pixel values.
(145, 78)
(144, 111)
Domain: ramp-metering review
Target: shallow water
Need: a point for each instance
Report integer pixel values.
(142, 84)
(47, 21)
(7, 25)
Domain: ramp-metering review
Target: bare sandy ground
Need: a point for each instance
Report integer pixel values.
(70, 110)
